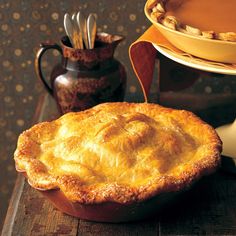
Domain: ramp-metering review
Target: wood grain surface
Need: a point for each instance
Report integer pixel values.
(208, 208)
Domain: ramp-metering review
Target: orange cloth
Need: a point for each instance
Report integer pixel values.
(142, 56)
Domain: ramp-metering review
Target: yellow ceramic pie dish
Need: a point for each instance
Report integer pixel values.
(207, 41)
(117, 161)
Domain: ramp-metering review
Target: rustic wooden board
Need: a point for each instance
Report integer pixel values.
(209, 208)
(35, 216)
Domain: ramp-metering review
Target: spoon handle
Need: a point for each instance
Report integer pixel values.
(81, 20)
(91, 28)
(77, 36)
(69, 28)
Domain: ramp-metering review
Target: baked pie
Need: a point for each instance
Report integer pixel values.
(211, 19)
(121, 153)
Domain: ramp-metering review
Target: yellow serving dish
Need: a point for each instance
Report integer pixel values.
(210, 49)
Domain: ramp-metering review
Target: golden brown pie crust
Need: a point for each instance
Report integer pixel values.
(211, 19)
(118, 152)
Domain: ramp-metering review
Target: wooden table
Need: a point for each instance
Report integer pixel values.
(208, 208)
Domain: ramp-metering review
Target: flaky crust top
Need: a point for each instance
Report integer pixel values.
(118, 152)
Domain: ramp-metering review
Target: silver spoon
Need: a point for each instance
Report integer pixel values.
(91, 28)
(69, 28)
(81, 20)
(77, 36)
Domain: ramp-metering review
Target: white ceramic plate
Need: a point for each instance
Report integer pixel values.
(195, 62)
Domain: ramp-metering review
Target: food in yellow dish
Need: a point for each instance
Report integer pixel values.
(118, 152)
(212, 19)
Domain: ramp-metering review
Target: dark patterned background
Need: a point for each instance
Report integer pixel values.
(24, 24)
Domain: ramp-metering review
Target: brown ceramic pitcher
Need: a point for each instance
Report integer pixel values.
(85, 77)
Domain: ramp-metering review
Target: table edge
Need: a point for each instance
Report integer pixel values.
(13, 206)
(20, 181)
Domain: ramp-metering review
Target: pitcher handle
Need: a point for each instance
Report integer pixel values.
(43, 48)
